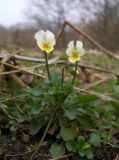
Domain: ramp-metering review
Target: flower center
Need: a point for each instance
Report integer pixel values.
(46, 46)
(75, 56)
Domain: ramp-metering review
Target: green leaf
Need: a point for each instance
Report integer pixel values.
(85, 121)
(33, 92)
(71, 146)
(71, 114)
(95, 139)
(86, 145)
(84, 148)
(81, 142)
(107, 138)
(36, 111)
(57, 150)
(86, 98)
(89, 154)
(66, 133)
(54, 77)
(116, 89)
(51, 91)
(35, 126)
(81, 153)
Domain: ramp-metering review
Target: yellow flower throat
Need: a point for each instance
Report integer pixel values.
(75, 56)
(46, 46)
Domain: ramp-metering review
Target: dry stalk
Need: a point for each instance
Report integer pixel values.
(99, 95)
(2, 67)
(17, 71)
(22, 70)
(29, 59)
(18, 80)
(13, 76)
(92, 67)
(97, 83)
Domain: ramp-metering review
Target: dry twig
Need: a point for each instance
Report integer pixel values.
(18, 80)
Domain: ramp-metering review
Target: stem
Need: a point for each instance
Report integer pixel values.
(63, 75)
(42, 139)
(75, 72)
(47, 66)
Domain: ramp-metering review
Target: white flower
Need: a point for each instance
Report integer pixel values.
(45, 40)
(75, 51)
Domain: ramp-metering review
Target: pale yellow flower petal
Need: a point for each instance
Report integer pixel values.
(79, 48)
(71, 44)
(40, 36)
(50, 38)
(70, 48)
(69, 51)
(79, 44)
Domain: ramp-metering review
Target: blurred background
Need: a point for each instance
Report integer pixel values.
(20, 19)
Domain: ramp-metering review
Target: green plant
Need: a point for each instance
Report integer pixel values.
(83, 121)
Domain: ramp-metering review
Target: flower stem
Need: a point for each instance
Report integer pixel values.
(74, 77)
(47, 66)
(63, 74)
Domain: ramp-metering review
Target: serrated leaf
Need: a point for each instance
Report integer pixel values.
(57, 150)
(35, 126)
(66, 133)
(71, 114)
(71, 146)
(89, 154)
(86, 121)
(95, 139)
